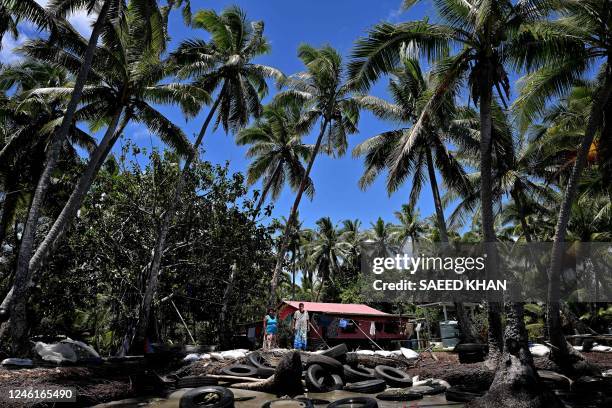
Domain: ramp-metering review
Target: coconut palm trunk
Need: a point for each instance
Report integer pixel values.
(8, 209)
(563, 353)
(17, 296)
(152, 280)
(495, 334)
(292, 217)
(29, 233)
(267, 187)
(462, 317)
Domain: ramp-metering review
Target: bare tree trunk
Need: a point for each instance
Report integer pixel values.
(516, 382)
(18, 293)
(293, 260)
(267, 187)
(224, 338)
(8, 210)
(287, 233)
(464, 321)
(495, 334)
(565, 355)
(152, 280)
(31, 225)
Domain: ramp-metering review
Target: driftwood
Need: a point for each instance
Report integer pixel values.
(372, 361)
(287, 379)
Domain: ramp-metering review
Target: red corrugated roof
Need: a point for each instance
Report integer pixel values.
(338, 308)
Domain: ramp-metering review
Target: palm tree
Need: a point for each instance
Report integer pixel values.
(351, 234)
(13, 11)
(128, 79)
(224, 65)
(519, 173)
(327, 97)
(277, 152)
(482, 32)
(298, 246)
(326, 252)
(410, 225)
(59, 9)
(403, 157)
(27, 130)
(565, 50)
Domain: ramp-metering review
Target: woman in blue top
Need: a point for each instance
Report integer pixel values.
(270, 330)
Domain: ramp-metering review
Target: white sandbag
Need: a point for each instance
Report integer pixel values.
(190, 358)
(17, 362)
(383, 353)
(607, 374)
(442, 383)
(81, 349)
(205, 356)
(578, 348)
(365, 352)
(539, 350)
(233, 354)
(217, 356)
(56, 353)
(396, 353)
(409, 353)
(602, 349)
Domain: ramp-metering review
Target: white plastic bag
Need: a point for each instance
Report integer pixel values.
(56, 353)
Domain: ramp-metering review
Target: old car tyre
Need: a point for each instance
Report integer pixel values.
(470, 347)
(319, 380)
(330, 364)
(393, 376)
(197, 397)
(240, 370)
(195, 381)
(255, 360)
(338, 352)
(356, 402)
(265, 372)
(358, 373)
(366, 387)
(315, 376)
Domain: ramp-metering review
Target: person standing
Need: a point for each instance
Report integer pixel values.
(300, 328)
(270, 330)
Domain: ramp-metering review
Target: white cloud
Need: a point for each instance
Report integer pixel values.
(80, 20)
(8, 55)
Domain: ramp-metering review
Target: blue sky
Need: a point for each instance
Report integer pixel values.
(287, 25)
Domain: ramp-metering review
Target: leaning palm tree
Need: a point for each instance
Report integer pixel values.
(223, 66)
(277, 151)
(327, 97)
(565, 50)
(128, 78)
(109, 10)
(28, 127)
